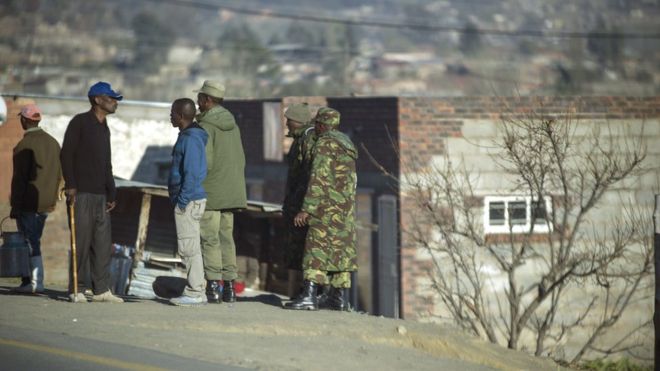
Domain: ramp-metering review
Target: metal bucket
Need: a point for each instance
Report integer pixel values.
(14, 254)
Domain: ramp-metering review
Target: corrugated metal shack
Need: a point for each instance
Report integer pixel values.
(144, 220)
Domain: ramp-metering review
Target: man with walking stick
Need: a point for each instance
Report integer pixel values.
(90, 192)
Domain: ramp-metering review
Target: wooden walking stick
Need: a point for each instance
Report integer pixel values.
(74, 258)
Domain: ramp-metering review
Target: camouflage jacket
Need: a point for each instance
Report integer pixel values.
(299, 160)
(330, 200)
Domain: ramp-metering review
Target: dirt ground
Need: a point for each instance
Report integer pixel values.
(256, 333)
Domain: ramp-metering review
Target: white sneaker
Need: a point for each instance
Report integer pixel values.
(189, 301)
(80, 298)
(107, 297)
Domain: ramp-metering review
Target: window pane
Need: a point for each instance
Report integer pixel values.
(518, 212)
(273, 132)
(496, 213)
(538, 212)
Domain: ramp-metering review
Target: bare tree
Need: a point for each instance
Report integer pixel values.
(518, 287)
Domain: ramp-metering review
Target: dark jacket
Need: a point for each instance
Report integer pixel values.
(86, 156)
(37, 172)
(299, 160)
(225, 183)
(188, 166)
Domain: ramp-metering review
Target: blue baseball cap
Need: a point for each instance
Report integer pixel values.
(103, 88)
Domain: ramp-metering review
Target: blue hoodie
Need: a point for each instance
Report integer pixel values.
(188, 169)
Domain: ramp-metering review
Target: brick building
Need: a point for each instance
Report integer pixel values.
(462, 129)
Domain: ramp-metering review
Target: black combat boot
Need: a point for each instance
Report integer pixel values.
(334, 300)
(306, 299)
(322, 294)
(213, 291)
(228, 293)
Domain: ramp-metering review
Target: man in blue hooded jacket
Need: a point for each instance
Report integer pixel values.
(187, 173)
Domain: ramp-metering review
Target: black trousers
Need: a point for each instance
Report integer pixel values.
(93, 243)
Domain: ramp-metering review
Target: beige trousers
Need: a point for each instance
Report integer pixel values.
(188, 241)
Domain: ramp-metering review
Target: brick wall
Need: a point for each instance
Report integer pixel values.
(11, 133)
(424, 123)
(55, 241)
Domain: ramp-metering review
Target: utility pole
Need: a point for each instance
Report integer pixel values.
(656, 246)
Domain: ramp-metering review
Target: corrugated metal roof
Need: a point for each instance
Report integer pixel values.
(159, 190)
(129, 102)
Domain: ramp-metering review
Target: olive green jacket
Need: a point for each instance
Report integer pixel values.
(37, 172)
(225, 180)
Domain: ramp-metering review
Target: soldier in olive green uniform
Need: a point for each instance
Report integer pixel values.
(328, 208)
(225, 189)
(300, 163)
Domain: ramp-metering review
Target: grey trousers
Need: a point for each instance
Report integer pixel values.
(93, 243)
(188, 242)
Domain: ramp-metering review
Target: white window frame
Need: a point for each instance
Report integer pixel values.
(540, 227)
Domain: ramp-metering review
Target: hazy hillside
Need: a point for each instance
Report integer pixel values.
(295, 47)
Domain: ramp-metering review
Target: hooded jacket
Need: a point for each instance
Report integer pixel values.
(225, 182)
(188, 169)
(330, 200)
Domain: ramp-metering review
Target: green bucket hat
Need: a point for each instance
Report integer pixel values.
(327, 116)
(298, 112)
(212, 89)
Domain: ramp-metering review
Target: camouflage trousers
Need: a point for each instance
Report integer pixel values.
(328, 259)
(340, 280)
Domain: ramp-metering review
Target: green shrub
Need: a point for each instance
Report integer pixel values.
(623, 364)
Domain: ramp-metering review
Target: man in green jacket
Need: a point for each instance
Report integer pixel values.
(36, 177)
(225, 189)
(329, 210)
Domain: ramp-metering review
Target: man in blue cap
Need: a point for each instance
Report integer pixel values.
(90, 186)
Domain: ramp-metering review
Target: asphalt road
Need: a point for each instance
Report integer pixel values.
(47, 332)
(30, 349)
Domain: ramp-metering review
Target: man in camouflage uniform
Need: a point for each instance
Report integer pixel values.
(300, 163)
(329, 209)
